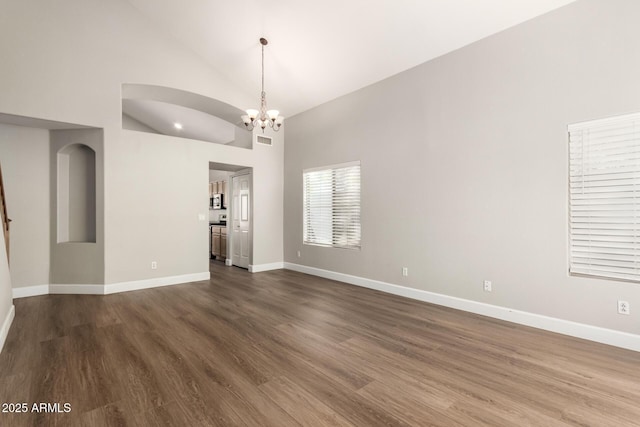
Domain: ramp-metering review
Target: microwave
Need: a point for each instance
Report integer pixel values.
(216, 201)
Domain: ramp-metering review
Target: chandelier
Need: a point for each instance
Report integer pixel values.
(263, 117)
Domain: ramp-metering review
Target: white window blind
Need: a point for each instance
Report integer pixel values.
(604, 193)
(332, 206)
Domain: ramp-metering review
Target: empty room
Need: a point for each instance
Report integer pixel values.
(394, 213)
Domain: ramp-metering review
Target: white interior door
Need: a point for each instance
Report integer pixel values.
(241, 220)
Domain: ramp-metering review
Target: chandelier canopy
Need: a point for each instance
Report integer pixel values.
(263, 117)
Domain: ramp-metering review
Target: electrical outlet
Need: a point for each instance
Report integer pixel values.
(624, 307)
(299, 254)
(405, 271)
(154, 265)
(487, 286)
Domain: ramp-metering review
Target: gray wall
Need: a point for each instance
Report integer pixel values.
(24, 153)
(464, 164)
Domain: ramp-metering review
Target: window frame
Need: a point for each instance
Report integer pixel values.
(345, 234)
(603, 203)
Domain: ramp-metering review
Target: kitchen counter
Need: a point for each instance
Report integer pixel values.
(218, 224)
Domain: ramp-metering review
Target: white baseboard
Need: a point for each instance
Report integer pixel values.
(110, 288)
(155, 282)
(266, 267)
(6, 325)
(565, 327)
(76, 289)
(30, 291)
(228, 262)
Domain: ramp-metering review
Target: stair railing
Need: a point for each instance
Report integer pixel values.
(3, 213)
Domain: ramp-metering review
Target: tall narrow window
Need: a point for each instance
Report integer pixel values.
(332, 206)
(604, 196)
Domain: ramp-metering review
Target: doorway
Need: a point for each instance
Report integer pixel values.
(230, 242)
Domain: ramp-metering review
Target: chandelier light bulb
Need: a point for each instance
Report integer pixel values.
(273, 114)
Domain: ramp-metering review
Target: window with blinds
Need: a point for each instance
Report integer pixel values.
(604, 197)
(332, 206)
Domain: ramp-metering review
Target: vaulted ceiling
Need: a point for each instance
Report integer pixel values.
(320, 50)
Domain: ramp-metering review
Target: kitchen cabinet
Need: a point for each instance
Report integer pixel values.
(219, 187)
(215, 243)
(223, 243)
(219, 241)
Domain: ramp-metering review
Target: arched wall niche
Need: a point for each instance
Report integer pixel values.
(76, 192)
(77, 206)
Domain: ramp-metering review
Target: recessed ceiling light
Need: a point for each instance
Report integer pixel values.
(178, 126)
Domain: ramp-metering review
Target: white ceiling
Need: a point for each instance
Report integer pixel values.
(320, 50)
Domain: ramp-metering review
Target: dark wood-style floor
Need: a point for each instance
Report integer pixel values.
(285, 349)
